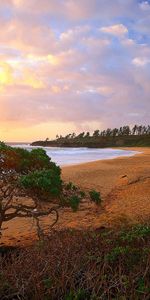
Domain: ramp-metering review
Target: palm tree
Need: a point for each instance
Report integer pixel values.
(96, 133)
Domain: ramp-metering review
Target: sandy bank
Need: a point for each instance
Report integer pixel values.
(124, 184)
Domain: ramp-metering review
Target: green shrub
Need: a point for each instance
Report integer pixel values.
(74, 202)
(44, 184)
(3, 146)
(116, 253)
(71, 186)
(95, 197)
(24, 161)
(39, 159)
(138, 232)
(82, 194)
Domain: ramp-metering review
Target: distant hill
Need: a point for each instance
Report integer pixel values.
(138, 136)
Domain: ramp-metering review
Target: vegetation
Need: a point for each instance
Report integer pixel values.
(68, 264)
(124, 136)
(95, 197)
(45, 183)
(74, 202)
(31, 175)
(27, 175)
(23, 161)
(73, 265)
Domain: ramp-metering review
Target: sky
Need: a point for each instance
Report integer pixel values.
(72, 65)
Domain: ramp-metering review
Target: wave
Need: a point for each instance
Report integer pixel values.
(71, 156)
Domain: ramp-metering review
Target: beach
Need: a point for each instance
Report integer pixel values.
(124, 184)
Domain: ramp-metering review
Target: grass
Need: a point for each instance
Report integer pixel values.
(77, 265)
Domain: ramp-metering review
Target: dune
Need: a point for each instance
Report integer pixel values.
(124, 184)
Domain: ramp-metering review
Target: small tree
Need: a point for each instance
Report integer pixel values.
(29, 174)
(95, 197)
(74, 202)
(13, 202)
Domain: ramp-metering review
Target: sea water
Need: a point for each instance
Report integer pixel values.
(70, 156)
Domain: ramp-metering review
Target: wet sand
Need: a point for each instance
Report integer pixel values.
(124, 184)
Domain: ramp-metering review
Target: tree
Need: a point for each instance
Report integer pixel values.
(108, 132)
(87, 135)
(134, 129)
(11, 205)
(27, 179)
(73, 135)
(31, 174)
(81, 135)
(126, 130)
(114, 132)
(96, 133)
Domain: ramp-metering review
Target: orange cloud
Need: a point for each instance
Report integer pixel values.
(6, 74)
(117, 29)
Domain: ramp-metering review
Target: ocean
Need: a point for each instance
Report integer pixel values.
(72, 156)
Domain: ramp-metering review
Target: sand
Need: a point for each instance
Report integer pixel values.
(124, 184)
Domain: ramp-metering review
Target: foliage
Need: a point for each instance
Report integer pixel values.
(70, 186)
(25, 174)
(116, 253)
(31, 174)
(139, 231)
(14, 203)
(138, 135)
(73, 265)
(24, 161)
(44, 183)
(82, 194)
(74, 202)
(37, 173)
(95, 197)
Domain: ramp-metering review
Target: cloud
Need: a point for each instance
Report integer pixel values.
(73, 62)
(117, 30)
(141, 61)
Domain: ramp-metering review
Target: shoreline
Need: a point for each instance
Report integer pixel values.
(99, 154)
(110, 158)
(124, 185)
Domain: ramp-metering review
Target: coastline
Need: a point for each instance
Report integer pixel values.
(124, 184)
(110, 158)
(68, 171)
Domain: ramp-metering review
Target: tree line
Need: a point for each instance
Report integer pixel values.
(122, 131)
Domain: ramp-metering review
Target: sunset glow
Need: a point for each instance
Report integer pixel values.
(72, 65)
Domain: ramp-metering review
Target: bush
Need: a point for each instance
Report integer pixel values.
(23, 161)
(44, 184)
(3, 146)
(95, 197)
(139, 231)
(70, 186)
(74, 202)
(39, 159)
(82, 194)
(78, 264)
